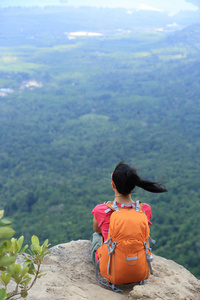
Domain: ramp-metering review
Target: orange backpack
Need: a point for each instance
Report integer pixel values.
(125, 256)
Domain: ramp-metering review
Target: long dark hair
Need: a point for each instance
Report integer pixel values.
(126, 179)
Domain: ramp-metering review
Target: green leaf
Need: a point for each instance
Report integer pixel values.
(45, 243)
(25, 281)
(2, 269)
(23, 249)
(24, 271)
(8, 278)
(31, 271)
(17, 268)
(48, 252)
(14, 245)
(5, 278)
(2, 294)
(6, 261)
(42, 274)
(35, 241)
(20, 241)
(6, 232)
(24, 294)
(34, 250)
(5, 221)
(2, 277)
(5, 246)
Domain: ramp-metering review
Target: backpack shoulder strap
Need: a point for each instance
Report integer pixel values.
(112, 205)
(138, 206)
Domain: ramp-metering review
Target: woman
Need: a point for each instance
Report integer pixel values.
(124, 180)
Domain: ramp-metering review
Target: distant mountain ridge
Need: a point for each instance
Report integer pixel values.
(189, 35)
(144, 5)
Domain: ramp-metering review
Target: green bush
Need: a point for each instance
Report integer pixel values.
(17, 266)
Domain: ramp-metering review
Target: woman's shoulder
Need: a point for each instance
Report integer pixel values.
(145, 205)
(100, 207)
(147, 209)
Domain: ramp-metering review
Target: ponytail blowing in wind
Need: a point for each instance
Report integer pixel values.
(126, 179)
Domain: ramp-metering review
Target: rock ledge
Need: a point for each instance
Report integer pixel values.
(71, 276)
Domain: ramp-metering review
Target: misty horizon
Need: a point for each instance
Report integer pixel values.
(169, 6)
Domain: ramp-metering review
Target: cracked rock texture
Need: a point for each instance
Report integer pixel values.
(71, 276)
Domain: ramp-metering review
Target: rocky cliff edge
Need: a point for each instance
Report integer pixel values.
(71, 276)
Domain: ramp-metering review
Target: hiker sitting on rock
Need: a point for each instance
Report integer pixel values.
(124, 180)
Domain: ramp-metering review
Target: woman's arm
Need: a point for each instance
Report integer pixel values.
(95, 226)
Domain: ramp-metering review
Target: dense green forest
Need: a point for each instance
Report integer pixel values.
(72, 107)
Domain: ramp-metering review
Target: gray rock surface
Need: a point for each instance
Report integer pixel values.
(71, 276)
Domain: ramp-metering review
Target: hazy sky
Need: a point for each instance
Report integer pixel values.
(167, 5)
(172, 6)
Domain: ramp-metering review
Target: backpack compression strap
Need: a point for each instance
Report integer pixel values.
(112, 286)
(149, 258)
